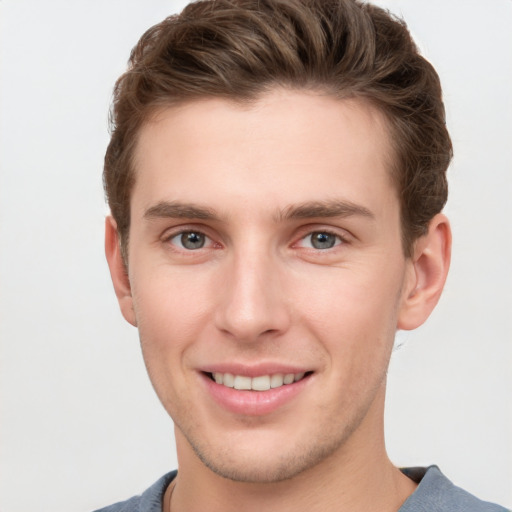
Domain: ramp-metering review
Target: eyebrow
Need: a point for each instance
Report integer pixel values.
(307, 210)
(177, 210)
(324, 209)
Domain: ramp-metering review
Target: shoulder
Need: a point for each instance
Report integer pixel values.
(149, 501)
(435, 493)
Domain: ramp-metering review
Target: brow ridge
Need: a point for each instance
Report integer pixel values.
(309, 209)
(324, 209)
(178, 210)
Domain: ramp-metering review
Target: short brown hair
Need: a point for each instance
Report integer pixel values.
(238, 49)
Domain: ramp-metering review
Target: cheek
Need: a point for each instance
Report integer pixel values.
(354, 314)
(358, 300)
(170, 308)
(168, 320)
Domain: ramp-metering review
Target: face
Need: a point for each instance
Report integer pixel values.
(267, 277)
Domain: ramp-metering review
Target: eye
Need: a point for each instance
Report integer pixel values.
(190, 240)
(321, 240)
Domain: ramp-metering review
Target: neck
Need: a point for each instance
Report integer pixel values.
(358, 477)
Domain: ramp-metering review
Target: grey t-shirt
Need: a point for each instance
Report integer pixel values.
(435, 493)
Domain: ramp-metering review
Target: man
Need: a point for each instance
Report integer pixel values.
(276, 176)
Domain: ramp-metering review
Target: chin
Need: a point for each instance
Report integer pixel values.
(259, 464)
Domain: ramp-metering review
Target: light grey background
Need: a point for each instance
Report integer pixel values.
(80, 425)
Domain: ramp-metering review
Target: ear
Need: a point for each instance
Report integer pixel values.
(428, 270)
(118, 270)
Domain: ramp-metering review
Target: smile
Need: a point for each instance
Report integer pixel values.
(248, 391)
(259, 383)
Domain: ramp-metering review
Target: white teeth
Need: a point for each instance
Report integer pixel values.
(228, 380)
(289, 378)
(242, 382)
(276, 381)
(260, 383)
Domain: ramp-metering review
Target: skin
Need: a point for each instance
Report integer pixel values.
(258, 181)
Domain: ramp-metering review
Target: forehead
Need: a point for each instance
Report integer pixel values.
(292, 146)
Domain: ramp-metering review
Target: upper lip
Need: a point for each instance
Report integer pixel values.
(254, 370)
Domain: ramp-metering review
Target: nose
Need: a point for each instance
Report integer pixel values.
(252, 302)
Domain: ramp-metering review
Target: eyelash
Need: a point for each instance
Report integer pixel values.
(182, 232)
(209, 244)
(339, 240)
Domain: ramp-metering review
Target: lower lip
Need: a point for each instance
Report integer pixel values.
(253, 403)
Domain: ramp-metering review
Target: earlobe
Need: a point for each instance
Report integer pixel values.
(429, 268)
(118, 271)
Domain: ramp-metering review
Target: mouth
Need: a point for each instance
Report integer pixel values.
(250, 391)
(257, 383)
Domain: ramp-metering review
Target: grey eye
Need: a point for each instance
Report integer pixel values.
(192, 240)
(323, 240)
